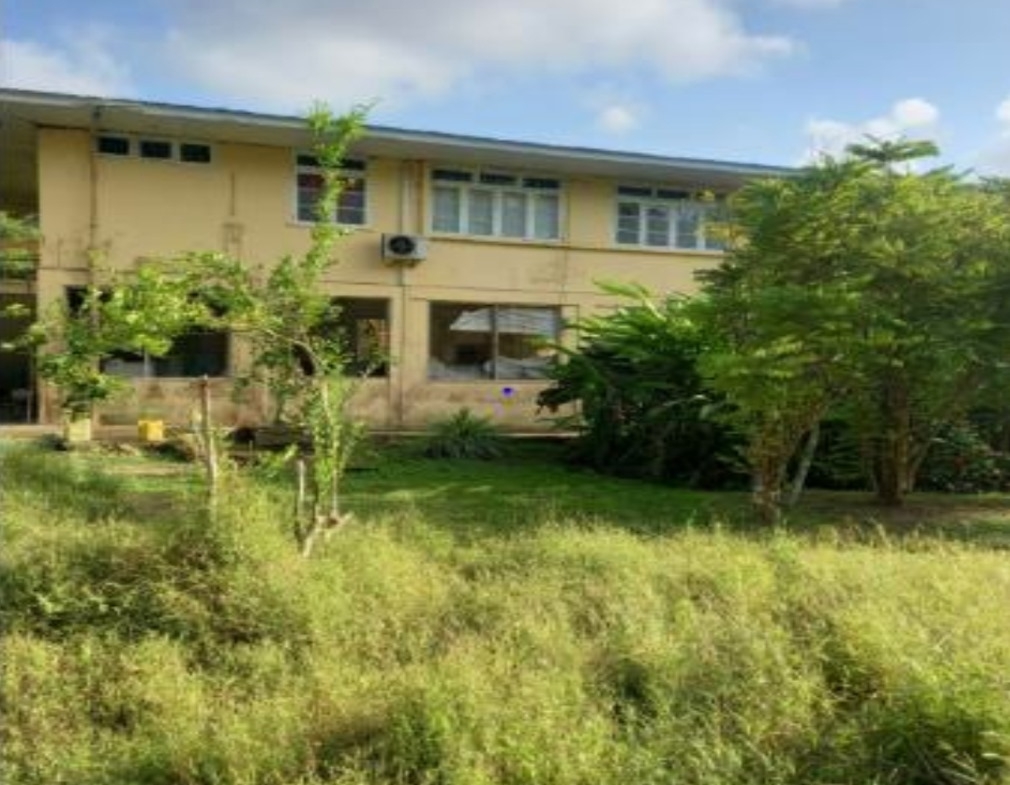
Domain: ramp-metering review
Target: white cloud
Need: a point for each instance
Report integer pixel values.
(908, 117)
(995, 158)
(914, 113)
(810, 4)
(84, 64)
(285, 55)
(1003, 113)
(617, 119)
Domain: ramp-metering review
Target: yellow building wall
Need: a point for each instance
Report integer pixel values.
(243, 203)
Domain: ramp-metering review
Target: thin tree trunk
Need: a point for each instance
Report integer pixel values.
(209, 447)
(893, 456)
(803, 469)
(766, 491)
(300, 500)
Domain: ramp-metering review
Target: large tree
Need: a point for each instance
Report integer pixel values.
(863, 287)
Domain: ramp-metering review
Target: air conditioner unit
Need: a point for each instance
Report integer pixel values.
(404, 248)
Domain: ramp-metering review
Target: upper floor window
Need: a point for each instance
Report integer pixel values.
(112, 145)
(665, 218)
(154, 149)
(351, 203)
(496, 204)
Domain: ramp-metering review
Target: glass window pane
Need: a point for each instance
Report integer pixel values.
(126, 364)
(549, 183)
(688, 225)
(194, 354)
(154, 149)
(113, 145)
(513, 218)
(363, 324)
(657, 226)
(493, 178)
(446, 217)
(461, 341)
(481, 212)
(193, 153)
(711, 229)
(351, 204)
(452, 175)
(309, 187)
(524, 338)
(628, 223)
(546, 216)
(669, 193)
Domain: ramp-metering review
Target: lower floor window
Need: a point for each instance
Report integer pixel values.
(363, 325)
(198, 352)
(193, 354)
(480, 341)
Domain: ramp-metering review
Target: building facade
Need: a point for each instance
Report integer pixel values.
(465, 256)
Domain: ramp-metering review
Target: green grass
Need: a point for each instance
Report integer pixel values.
(504, 622)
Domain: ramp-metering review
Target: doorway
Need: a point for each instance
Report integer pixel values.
(17, 368)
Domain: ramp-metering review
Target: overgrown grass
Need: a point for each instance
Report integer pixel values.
(502, 623)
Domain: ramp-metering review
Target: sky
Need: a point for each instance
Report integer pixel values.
(762, 81)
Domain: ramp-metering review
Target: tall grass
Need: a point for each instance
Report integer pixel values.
(164, 651)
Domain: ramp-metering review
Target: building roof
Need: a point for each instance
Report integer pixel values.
(23, 110)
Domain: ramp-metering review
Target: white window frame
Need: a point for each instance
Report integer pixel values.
(498, 192)
(670, 199)
(354, 173)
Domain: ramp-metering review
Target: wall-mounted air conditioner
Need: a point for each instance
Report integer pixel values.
(404, 248)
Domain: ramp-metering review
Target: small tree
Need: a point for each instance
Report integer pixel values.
(298, 353)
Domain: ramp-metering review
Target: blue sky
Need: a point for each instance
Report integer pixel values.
(768, 81)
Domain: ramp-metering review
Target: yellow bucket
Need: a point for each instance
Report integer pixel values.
(151, 430)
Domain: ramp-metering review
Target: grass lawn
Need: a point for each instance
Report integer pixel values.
(532, 487)
(514, 621)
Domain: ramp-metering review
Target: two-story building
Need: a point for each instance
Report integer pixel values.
(466, 254)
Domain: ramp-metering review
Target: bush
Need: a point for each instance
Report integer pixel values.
(644, 409)
(464, 435)
(960, 461)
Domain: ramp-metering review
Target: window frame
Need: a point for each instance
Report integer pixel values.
(150, 363)
(349, 174)
(493, 338)
(358, 363)
(74, 297)
(135, 142)
(500, 183)
(173, 149)
(670, 200)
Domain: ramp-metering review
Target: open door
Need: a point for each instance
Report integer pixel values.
(18, 402)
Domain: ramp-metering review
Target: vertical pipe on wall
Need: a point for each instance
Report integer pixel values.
(92, 250)
(411, 221)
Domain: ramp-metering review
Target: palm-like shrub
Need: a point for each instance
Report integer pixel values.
(464, 435)
(644, 409)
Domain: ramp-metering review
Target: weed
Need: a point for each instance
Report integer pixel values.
(464, 435)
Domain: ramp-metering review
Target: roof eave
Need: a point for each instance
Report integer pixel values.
(138, 116)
